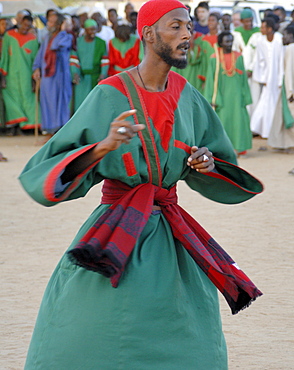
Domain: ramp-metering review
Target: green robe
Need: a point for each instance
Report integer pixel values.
(246, 34)
(89, 65)
(165, 312)
(198, 61)
(18, 54)
(233, 95)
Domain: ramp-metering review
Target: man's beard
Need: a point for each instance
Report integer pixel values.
(165, 52)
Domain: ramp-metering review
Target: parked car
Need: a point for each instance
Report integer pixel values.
(258, 7)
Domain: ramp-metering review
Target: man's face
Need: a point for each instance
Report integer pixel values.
(51, 24)
(90, 32)
(173, 32)
(24, 27)
(129, 9)
(227, 43)
(247, 23)
(236, 20)
(226, 20)
(212, 22)
(2, 26)
(98, 19)
(263, 28)
(280, 14)
(133, 20)
(202, 14)
(112, 16)
(83, 17)
(288, 38)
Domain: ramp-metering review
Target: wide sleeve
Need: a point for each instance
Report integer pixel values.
(39, 56)
(63, 40)
(229, 183)
(90, 124)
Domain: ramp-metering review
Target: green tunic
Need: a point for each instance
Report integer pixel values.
(91, 65)
(233, 95)
(246, 34)
(18, 54)
(165, 312)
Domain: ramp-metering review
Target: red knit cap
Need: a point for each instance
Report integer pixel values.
(153, 10)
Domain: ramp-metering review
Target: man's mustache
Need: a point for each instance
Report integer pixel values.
(184, 45)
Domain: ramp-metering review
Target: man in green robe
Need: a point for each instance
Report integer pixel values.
(228, 92)
(18, 53)
(164, 312)
(199, 54)
(89, 63)
(247, 29)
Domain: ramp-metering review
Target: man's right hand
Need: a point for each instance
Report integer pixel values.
(115, 138)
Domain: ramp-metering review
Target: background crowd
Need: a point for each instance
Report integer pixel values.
(245, 72)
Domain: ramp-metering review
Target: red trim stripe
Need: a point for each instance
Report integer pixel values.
(17, 120)
(50, 181)
(181, 145)
(129, 164)
(221, 177)
(149, 129)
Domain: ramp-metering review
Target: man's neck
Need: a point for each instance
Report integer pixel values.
(213, 32)
(152, 74)
(202, 23)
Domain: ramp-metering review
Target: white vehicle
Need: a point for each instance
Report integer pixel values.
(258, 7)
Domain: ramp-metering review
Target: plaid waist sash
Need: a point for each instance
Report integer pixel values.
(108, 244)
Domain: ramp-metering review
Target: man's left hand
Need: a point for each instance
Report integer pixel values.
(201, 160)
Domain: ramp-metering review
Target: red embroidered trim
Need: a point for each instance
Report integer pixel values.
(150, 130)
(202, 78)
(129, 164)
(181, 145)
(54, 174)
(21, 39)
(17, 120)
(221, 177)
(3, 72)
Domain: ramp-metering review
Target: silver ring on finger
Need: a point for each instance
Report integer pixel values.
(205, 158)
(121, 130)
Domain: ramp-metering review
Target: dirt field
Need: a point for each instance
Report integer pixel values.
(258, 234)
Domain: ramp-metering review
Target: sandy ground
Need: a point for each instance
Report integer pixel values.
(258, 234)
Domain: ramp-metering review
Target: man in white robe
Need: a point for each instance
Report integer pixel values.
(282, 131)
(268, 71)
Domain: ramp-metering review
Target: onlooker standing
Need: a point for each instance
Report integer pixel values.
(52, 64)
(282, 132)
(104, 32)
(247, 29)
(2, 109)
(228, 92)
(236, 19)
(281, 13)
(201, 13)
(129, 8)
(268, 71)
(44, 31)
(113, 19)
(92, 67)
(18, 52)
(124, 50)
(238, 43)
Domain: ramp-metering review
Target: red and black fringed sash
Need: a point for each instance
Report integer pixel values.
(107, 246)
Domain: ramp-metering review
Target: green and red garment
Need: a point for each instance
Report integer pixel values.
(18, 54)
(164, 313)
